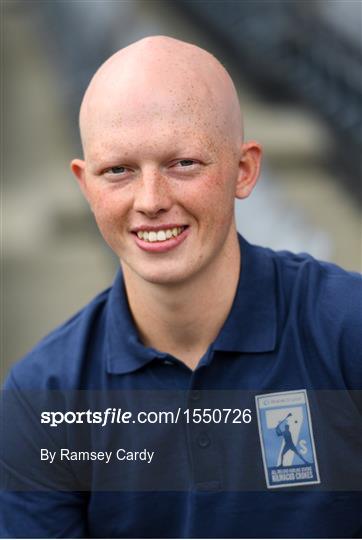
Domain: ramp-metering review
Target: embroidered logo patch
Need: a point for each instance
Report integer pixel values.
(286, 438)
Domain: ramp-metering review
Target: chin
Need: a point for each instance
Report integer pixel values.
(158, 278)
(164, 274)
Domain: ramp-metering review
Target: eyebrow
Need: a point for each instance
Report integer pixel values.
(108, 157)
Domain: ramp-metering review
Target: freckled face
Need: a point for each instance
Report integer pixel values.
(163, 170)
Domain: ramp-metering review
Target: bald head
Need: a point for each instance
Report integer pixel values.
(162, 138)
(160, 76)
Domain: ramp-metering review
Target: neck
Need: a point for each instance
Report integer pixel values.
(183, 319)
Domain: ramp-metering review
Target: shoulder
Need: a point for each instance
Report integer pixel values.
(57, 359)
(332, 289)
(301, 271)
(324, 302)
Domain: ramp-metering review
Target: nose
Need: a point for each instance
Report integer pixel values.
(153, 195)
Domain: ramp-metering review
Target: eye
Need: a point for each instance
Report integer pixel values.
(185, 167)
(116, 173)
(116, 170)
(186, 162)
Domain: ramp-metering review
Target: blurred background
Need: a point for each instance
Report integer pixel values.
(297, 67)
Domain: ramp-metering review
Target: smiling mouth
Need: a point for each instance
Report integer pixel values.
(161, 235)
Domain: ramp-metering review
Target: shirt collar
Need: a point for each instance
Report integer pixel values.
(250, 326)
(124, 351)
(252, 322)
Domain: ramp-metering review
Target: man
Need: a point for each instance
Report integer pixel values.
(288, 442)
(156, 138)
(194, 308)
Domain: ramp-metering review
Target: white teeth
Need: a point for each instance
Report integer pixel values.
(152, 236)
(159, 236)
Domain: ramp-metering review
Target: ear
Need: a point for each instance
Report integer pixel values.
(249, 167)
(77, 166)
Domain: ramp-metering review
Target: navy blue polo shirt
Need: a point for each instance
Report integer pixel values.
(291, 347)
